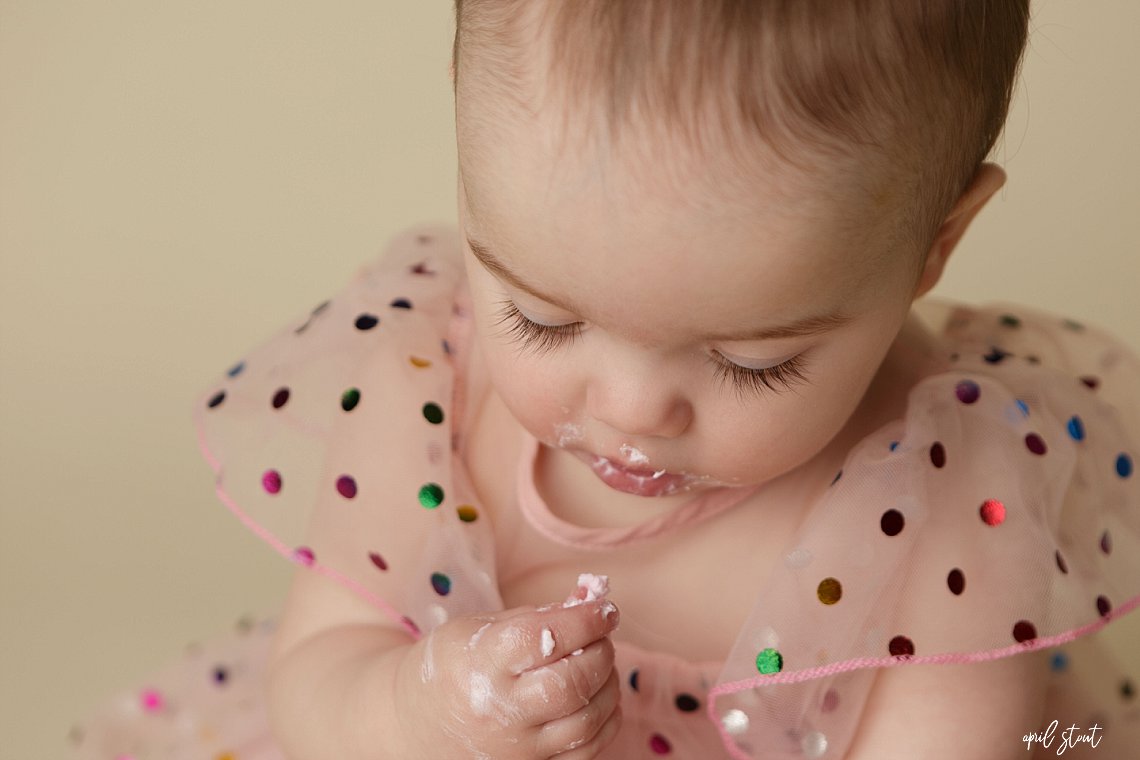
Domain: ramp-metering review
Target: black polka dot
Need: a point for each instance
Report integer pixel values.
(1008, 320)
(367, 321)
(217, 399)
(1103, 606)
(1023, 630)
(901, 645)
(956, 580)
(995, 355)
(687, 703)
(1061, 564)
(280, 398)
(1127, 690)
(401, 303)
(835, 480)
(892, 522)
(938, 455)
(220, 674)
(633, 680)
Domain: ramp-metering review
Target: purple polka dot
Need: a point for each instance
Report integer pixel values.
(271, 481)
(1035, 443)
(967, 391)
(938, 455)
(660, 745)
(346, 486)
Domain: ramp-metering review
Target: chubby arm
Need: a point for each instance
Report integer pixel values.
(944, 712)
(331, 675)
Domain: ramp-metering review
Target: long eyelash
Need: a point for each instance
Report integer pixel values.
(759, 381)
(543, 338)
(535, 337)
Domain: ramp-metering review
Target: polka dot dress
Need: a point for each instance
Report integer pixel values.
(1000, 515)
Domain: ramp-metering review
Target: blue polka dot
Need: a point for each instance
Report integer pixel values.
(1124, 465)
(1024, 407)
(236, 369)
(1076, 428)
(894, 445)
(1060, 662)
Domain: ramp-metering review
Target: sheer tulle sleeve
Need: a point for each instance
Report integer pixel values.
(1001, 515)
(332, 441)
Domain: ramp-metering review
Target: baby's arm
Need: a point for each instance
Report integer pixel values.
(331, 675)
(939, 712)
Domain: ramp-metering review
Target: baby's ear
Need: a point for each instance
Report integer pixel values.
(987, 180)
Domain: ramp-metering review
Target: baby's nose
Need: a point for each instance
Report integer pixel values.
(645, 407)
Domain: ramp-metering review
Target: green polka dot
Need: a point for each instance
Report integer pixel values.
(769, 661)
(431, 495)
(349, 399)
(432, 413)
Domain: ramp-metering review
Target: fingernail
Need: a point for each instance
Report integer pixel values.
(611, 613)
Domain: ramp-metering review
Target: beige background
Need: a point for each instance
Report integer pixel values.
(177, 180)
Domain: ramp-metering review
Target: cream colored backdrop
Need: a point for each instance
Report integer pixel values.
(177, 180)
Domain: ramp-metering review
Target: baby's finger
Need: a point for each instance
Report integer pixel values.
(566, 686)
(531, 641)
(577, 729)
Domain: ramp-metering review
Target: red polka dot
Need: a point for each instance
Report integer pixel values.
(1023, 630)
(660, 745)
(1106, 542)
(378, 561)
(992, 512)
(1090, 381)
(1035, 443)
(346, 486)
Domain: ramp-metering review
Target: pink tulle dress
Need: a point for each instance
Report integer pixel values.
(1000, 515)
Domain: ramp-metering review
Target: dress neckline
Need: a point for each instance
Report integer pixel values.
(537, 513)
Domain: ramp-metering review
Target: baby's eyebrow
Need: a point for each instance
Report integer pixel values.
(815, 325)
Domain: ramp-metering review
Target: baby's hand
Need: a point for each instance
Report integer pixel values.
(523, 684)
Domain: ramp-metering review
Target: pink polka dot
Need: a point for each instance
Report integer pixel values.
(152, 700)
(830, 701)
(660, 745)
(271, 481)
(304, 555)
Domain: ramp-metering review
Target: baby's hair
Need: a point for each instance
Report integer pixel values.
(921, 86)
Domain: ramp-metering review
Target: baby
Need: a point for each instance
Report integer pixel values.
(676, 342)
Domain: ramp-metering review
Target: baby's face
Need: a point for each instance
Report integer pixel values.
(664, 296)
